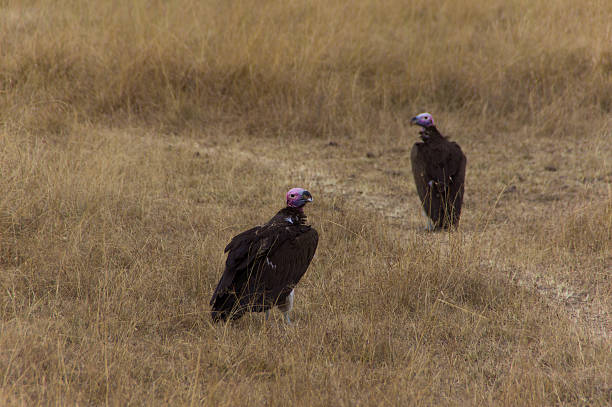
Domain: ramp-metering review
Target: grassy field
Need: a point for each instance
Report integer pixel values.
(136, 138)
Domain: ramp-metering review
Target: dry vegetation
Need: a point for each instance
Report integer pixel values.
(137, 137)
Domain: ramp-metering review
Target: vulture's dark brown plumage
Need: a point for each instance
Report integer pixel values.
(438, 166)
(264, 264)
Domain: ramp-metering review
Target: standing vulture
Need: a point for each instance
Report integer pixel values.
(266, 262)
(438, 166)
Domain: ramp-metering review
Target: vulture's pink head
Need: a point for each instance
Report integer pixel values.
(423, 120)
(298, 197)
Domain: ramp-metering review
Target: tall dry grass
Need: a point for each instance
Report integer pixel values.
(138, 137)
(311, 67)
(112, 243)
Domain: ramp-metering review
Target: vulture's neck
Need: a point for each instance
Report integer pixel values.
(430, 133)
(296, 215)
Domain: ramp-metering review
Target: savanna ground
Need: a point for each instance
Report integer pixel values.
(138, 137)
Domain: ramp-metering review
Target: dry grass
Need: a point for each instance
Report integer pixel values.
(316, 67)
(138, 137)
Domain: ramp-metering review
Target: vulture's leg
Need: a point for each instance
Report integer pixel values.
(429, 226)
(267, 314)
(287, 306)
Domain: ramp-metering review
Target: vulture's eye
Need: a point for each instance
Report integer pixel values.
(292, 195)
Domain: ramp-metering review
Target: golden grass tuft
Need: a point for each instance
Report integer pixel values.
(322, 68)
(138, 137)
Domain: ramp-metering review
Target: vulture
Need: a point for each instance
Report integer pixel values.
(438, 166)
(265, 263)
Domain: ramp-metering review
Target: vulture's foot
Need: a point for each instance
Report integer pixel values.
(430, 227)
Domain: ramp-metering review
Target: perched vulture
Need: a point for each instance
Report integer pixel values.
(438, 166)
(266, 262)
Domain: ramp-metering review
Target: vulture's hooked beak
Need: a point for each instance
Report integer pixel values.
(307, 196)
(414, 122)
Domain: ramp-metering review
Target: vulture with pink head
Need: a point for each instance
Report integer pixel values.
(265, 263)
(438, 166)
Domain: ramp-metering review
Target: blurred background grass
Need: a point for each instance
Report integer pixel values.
(316, 68)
